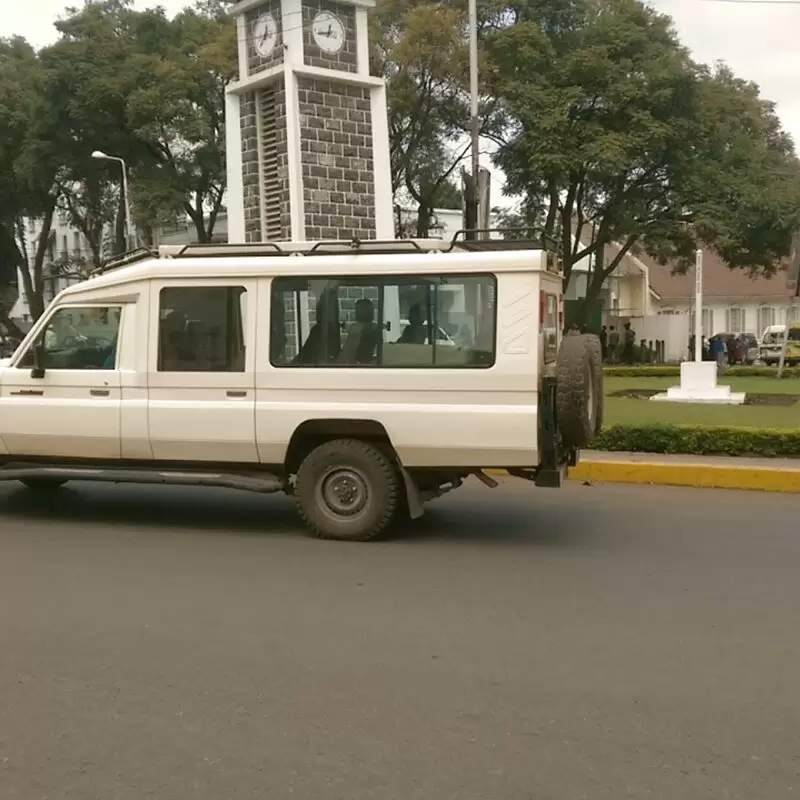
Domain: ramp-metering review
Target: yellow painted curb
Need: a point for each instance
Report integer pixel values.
(701, 476)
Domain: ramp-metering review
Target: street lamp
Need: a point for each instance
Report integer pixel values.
(101, 156)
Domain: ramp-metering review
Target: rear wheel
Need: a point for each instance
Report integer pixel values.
(579, 390)
(43, 484)
(347, 489)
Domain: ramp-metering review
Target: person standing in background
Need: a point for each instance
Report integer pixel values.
(628, 342)
(613, 344)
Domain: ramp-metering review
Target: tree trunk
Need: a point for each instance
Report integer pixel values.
(424, 221)
(594, 285)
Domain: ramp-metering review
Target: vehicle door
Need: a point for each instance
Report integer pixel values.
(201, 371)
(61, 396)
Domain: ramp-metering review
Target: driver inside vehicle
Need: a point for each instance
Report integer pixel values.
(65, 345)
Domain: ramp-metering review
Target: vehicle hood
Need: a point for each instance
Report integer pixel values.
(4, 362)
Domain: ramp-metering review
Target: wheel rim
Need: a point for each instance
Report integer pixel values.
(343, 492)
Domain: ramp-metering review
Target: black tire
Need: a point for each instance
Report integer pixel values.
(43, 484)
(367, 480)
(599, 396)
(579, 397)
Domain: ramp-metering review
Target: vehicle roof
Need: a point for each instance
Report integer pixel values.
(349, 264)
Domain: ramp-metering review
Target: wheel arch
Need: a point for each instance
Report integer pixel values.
(313, 432)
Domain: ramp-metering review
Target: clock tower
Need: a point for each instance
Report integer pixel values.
(306, 125)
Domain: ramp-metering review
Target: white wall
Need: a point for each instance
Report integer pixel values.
(755, 316)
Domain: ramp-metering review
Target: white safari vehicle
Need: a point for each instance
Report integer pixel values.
(319, 370)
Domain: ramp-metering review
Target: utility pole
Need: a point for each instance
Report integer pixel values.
(471, 188)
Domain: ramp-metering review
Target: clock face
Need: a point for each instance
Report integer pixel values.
(265, 34)
(328, 32)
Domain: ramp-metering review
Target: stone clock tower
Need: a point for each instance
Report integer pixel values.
(306, 125)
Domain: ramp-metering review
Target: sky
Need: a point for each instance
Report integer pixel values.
(758, 40)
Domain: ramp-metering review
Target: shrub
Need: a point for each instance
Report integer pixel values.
(674, 370)
(701, 440)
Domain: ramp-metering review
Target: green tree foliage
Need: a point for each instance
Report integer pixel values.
(613, 129)
(29, 165)
(135, 84)
(421, 50)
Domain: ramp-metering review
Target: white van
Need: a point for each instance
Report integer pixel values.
(771, 344)
(301, 368)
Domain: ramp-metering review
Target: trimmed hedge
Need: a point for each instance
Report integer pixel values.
(700, 440)
(674, 370)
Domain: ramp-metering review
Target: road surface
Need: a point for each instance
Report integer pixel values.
(599, 642)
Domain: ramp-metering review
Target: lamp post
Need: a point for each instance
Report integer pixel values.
(101, 156)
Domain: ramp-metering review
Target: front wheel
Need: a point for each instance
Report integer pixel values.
(43, 484)
(348, 490)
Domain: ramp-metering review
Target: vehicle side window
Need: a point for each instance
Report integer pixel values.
(78, 338)
(201, 329)
(430, 321)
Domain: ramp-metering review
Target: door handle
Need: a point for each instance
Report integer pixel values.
(236, 393)
(30, 392)
(99, 392)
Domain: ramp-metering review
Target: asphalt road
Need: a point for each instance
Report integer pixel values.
(521, 644)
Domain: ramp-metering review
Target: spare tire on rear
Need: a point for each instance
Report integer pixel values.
(579, 390)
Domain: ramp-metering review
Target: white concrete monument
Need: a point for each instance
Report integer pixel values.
(306, 125)
(698, 377)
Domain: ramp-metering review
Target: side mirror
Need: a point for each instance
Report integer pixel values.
(38, 362)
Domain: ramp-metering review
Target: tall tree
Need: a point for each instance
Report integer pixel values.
(421, 48)
(179, 112)
(617, 137)
(29, 164)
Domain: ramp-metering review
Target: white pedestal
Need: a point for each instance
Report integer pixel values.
(699, 385)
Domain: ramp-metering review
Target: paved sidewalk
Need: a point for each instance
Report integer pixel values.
(704, 472)
(678, 458)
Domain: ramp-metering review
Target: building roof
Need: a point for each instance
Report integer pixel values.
(719, 280)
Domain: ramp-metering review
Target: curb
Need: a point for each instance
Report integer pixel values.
(699, 476)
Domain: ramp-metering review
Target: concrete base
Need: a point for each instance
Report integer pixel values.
(699, 385)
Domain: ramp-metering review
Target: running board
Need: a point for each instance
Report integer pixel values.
(262, 482)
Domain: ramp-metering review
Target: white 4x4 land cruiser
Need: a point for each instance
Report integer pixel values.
(311, 369)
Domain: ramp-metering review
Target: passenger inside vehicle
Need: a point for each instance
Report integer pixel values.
(416, 331)
(363, 336)
(324, 340)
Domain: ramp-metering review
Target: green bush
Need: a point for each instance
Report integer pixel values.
(674, 370)
(656, 371)
(700, 440)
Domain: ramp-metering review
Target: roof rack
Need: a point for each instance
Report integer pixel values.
(511, 239)
(124, 259)
(372, 246)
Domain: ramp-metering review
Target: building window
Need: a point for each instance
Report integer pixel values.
(202, 329)
(766, 317)
(423, 321)
(735, 321)
(794, 313)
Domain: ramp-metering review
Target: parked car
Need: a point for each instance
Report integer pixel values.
(769, 349)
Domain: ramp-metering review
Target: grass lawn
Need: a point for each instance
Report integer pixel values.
(623, 410)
